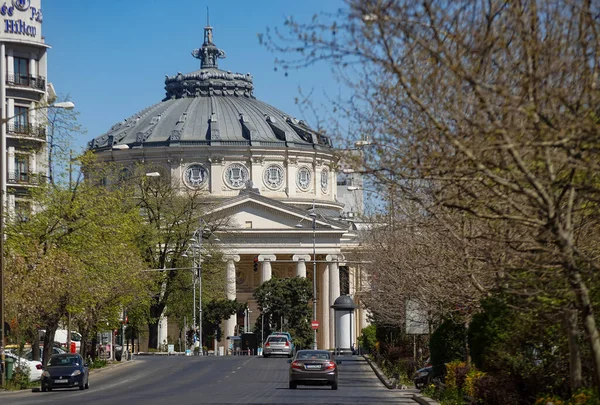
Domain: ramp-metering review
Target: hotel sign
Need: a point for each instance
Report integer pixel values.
(21, 17)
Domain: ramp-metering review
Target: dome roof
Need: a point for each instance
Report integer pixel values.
(344, 302)
(210, 107)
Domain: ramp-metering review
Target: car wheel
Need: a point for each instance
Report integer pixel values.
(44, 389)
(87, 385)
(82, 386)
(293, 385)
(265, 355)
(334, 386)
(49, 389)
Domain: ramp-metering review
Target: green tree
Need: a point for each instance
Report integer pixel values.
(284, 303)
(215, 312)
(76, 253)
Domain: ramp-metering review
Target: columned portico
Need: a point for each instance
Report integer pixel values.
(265, 269)
(301, 264)
(230, 287)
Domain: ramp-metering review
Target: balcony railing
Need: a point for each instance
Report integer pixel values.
(34, 82)
(33, 131)
(25, 178)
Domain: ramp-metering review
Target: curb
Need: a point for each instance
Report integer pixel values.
(390, 385)
(111, 366)
(379, 374)
(424, 400)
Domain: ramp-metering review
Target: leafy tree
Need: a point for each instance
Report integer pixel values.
(215, 312)
(284, 303)
(76, 253)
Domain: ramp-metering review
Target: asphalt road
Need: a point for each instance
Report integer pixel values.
(193, 380)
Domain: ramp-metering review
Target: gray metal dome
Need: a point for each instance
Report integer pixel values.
(344, 302)
(210, 107)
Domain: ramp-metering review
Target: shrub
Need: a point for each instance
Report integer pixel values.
(19, 380)
(582, 397)
(471, 381)
(447, 344)
(368, 339)
(490, 390)
(455, 375)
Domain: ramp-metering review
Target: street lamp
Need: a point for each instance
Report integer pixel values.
(196, 247)
(67, 105)
(313, 215)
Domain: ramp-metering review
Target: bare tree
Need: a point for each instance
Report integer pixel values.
(495, 103)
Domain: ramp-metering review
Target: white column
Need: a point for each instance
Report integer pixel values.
(265, 268)
(32, 67)
(324, 325)
(334, 291)
(351, 281)
(301, 264)
(10, 157)
(230, 288)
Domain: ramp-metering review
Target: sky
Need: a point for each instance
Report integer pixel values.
(111, 57)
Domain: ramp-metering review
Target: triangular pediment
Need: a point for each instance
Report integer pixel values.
(253, 211)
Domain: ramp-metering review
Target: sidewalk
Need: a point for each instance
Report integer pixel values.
(416, 394)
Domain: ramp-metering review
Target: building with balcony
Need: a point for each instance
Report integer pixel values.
(24, 88)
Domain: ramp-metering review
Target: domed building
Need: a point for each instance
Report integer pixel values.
(268, 172)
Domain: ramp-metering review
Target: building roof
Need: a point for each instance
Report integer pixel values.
(210, 106)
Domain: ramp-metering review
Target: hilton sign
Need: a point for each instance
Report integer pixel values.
(28, 16)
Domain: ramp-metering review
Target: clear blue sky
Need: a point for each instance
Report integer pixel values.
(111, 57)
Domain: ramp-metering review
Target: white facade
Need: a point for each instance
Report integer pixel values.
(264, 170)
(24, 88)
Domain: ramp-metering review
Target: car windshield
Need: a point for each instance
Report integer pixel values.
(313, 356)
(277, 339)
(64, 361)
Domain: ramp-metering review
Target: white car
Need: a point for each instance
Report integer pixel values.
(34, 367)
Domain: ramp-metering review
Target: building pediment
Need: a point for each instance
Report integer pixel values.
(252, 211)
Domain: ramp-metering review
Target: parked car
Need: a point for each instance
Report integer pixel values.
(423, 377)
(28, 354)
(278, 345)
(34, 368)
(66, 370)
(314, 367)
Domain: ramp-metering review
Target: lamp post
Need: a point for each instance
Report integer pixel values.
(197, 242)
(313, 215)
(67, 105)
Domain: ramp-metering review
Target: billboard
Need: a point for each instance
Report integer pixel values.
(416, 318)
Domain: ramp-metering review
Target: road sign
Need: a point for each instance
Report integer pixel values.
(315, 324)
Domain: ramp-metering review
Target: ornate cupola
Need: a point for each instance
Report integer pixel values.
(209, 80)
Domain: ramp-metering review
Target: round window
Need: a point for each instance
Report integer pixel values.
(236, 175)
(195, 176)
(304, 177)
(273, 176)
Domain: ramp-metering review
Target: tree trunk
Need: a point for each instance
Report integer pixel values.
(153, 335)
(35, 345)
(575, 376)
(589, 323)
(156, 311)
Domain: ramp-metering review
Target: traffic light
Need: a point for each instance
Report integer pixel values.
(255, 263)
